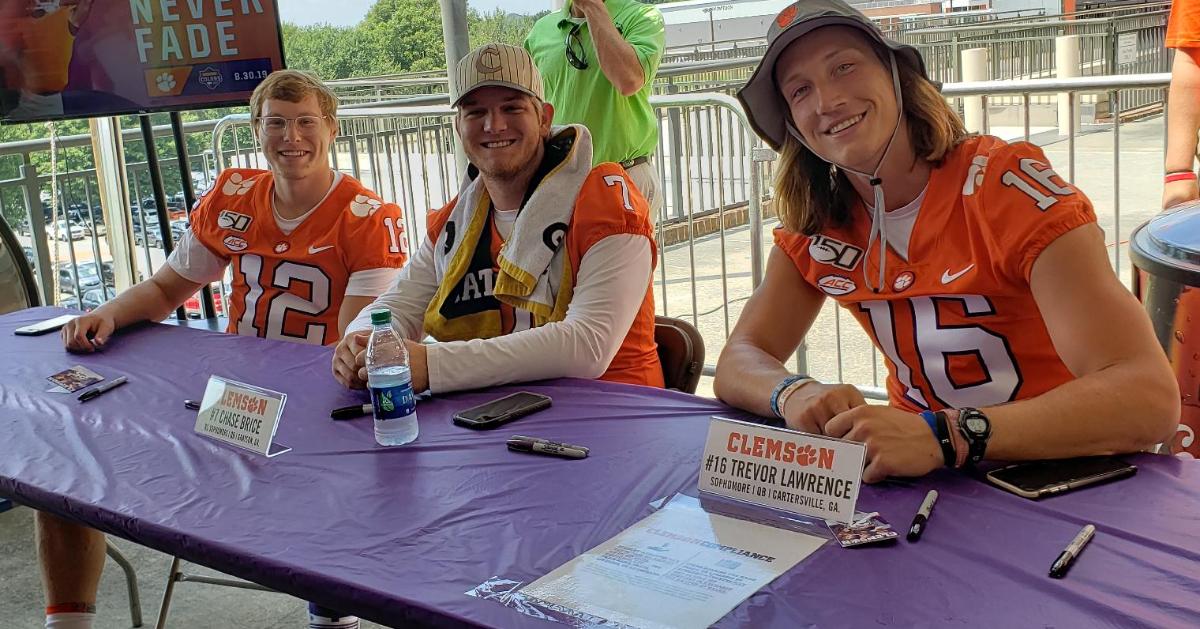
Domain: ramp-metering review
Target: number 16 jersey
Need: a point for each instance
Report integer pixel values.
(957, 321)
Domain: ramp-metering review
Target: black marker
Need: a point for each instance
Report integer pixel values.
(351, 412)
(104, 388)
(191, 404)
(541, 446)
(918, 524)
(1067, 556)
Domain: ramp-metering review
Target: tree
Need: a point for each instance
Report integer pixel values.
(336, 52)
(408, 33)
(498, 26)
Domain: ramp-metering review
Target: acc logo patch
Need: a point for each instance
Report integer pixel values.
(233, 243)
(837, 285)
(232, 220)
(903, 281)
(833, 252)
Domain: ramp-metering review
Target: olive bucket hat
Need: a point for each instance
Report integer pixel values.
(764, 106)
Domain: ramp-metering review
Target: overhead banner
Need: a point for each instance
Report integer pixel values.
(84, 58)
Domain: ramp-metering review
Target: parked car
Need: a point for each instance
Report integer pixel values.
(178, 226)
(67, 230)
(92, 299)
(29, 256)
(220, 292)
(89, 276)
(150, 237)
(145, 227)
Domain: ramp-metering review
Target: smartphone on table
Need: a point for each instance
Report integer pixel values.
(499, 412)
(1038, 479)
(42, 327)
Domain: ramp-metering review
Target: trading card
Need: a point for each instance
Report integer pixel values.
(75, 378)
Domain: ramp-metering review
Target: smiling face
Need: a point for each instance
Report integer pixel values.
(503, 131)
(298, 152)
(840, 96)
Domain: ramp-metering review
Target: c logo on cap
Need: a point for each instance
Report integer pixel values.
(488, 61)
(786, 16)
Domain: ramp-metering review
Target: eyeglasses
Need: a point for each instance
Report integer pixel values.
(574, 40)
(276, 126)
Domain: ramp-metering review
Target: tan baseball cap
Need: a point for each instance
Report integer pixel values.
(498, 64)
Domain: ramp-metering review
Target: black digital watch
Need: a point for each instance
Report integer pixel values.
(976, 429)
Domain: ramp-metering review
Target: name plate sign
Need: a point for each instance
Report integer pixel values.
(791, 471)
(241, 414)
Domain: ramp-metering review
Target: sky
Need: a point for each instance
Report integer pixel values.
(349, 12)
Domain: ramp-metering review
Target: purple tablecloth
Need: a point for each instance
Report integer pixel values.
(398, 535)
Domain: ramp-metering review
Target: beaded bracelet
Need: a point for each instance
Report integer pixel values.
(776, 406)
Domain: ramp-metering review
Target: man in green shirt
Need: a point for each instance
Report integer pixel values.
(598, 59)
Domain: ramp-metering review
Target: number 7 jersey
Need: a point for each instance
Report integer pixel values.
(957, 321)
(291, 286)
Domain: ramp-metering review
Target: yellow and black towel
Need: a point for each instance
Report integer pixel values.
(535, 273)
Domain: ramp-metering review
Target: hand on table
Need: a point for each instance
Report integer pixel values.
(88, 332)
(350, 360)
(418, 364)
(815, 403)
(899, 443)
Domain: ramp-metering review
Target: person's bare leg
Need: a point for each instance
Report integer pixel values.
(71, 557)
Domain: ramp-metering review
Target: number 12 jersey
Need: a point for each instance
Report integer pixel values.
(291, 286)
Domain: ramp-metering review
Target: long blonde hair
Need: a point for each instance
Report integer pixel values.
(810, 194)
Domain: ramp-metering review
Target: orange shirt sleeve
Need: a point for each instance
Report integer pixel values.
(1026, 206)
(1183, 26)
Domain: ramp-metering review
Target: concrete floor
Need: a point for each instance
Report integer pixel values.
(720, 283)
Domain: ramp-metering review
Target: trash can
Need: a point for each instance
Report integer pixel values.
(1166, 278)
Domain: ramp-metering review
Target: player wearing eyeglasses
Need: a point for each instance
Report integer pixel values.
(309, 248)
(598, 59)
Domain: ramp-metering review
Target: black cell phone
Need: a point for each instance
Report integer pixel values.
(1038, 479)
(501, 411)
(42, 327)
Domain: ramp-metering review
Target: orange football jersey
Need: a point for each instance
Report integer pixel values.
(291, 286)
(957, 322)
(606, 205)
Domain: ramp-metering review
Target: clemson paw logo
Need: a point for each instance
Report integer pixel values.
(786, 16)
(282, 247)
(237, 184)
(974, 175)
(806, 456)
(363, 206)
(165, 82)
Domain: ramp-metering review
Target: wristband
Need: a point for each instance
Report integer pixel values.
(956, 437)
(944, 439)
(1182, 175)
(786, 383)
(931, 420)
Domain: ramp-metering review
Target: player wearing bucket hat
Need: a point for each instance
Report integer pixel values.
(974, 268)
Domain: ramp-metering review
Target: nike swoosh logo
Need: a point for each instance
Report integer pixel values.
(948, 277)
(314, 250)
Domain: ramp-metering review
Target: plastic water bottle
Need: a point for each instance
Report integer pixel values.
(390, 382)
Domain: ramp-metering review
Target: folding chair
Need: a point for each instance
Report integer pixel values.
(681, 352)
